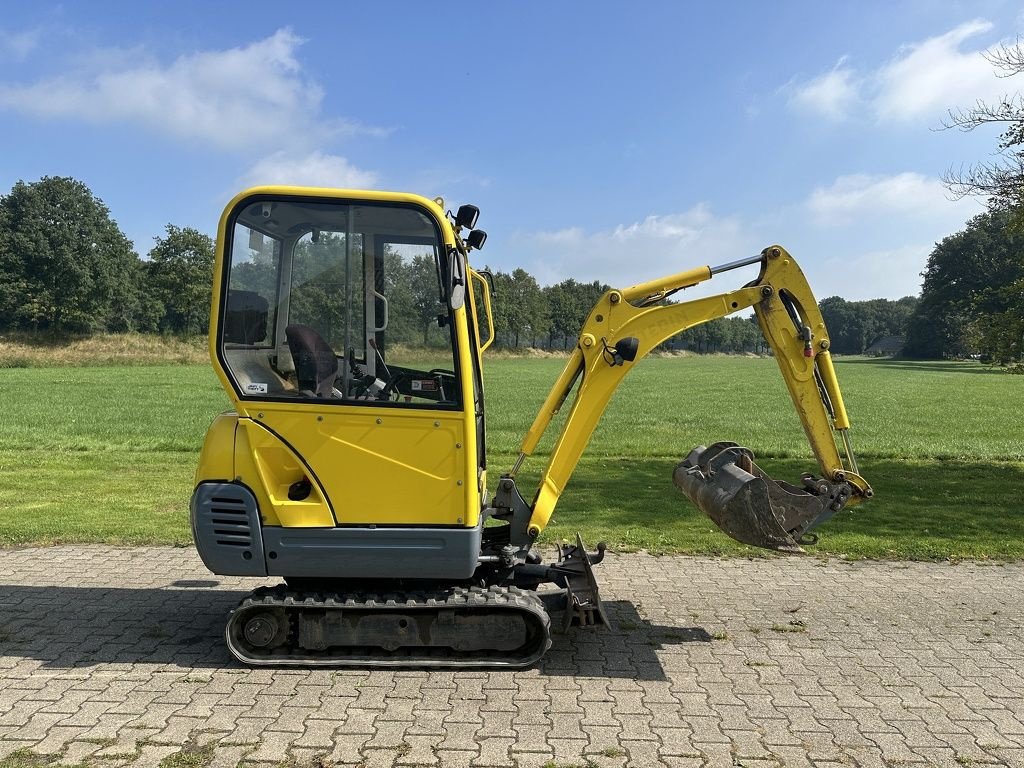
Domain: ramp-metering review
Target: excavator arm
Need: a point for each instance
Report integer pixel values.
(722, 480)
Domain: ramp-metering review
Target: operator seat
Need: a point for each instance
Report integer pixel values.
(316, 365)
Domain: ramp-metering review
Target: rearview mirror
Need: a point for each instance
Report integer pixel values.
(467, 216)
(476, 239)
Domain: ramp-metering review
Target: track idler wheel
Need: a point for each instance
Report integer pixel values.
(262, 630)
(726, 485)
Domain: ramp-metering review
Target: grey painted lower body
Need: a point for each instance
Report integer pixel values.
(373, 553)
(232, 541)
(226, 529)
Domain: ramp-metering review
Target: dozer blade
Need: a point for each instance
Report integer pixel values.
(726, 485)
(584, 598)
(578, 602)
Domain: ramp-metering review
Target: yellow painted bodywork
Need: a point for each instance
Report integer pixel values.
(244, 451)
(380, 466)
(367, 465)
(267, 466)
(217, 459)
(479, 282)
(633, 312)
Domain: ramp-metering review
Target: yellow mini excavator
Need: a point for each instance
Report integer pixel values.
(348, 328)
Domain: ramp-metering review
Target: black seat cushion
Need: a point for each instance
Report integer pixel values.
(316, 365)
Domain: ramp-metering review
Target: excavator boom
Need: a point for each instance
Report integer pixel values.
(722, 480)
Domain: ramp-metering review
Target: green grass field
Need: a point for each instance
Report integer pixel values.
(106, 454)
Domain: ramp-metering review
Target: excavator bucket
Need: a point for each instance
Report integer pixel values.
(726, 485)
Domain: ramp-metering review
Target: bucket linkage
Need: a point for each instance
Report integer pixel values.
(726, 485)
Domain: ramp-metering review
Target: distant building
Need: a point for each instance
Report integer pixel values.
(886, 346)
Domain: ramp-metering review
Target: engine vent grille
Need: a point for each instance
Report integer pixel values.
(226, 525)
(229, 520)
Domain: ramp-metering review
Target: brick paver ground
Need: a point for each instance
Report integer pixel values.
(115, 656)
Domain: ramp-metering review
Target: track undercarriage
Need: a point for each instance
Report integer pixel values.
(475, 625)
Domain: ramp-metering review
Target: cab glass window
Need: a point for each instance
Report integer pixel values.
(338, 302)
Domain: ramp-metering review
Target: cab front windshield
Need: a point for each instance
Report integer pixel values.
(337, 302)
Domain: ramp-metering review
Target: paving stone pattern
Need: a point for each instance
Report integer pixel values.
(112, 657)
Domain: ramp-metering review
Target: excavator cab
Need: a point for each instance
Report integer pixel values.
(348, 329)
(319, 297)
(341, 333)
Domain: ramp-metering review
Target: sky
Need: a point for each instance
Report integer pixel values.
(601, 141)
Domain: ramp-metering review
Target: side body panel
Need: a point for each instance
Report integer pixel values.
(372, 553)
(232, 541)
(379, 466)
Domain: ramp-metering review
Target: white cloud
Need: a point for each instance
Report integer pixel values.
(850, 199)
(831, 94)
(862, 236)
(870, 235)
(886, 273)
(251, 97)
(634, 252)
(18, 45)
(930, 77)
(570, 236)
(922, 80)
(315, 169)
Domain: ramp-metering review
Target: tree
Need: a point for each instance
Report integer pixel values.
(532, 308)
(426, 301)
(971, 295)
(396, 283)
(64, 263)
(844, 326)
(971, 298)
(568, 304)
(502, 306)
(179, 275)
(853, 326)
(318, 292)
(523, 313)
(565, 312)
(747, 334)
(1001, 178)
(1002, 338)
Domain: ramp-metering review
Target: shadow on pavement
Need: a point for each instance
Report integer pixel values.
(628, 649)
(76, 627)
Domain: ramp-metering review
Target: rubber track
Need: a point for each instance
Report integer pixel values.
(420, 601)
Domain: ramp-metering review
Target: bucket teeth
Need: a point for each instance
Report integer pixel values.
(726, 485)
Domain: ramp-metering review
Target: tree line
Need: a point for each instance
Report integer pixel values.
(972, 298)
(66, 267)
